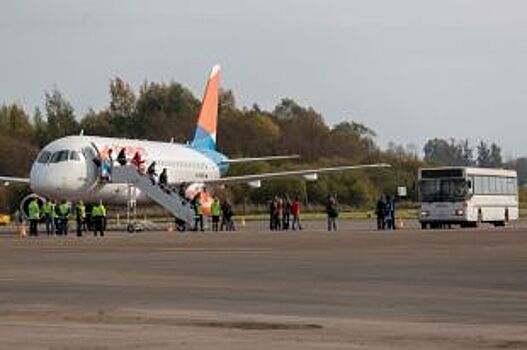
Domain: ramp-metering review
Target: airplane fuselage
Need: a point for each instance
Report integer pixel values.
(65, 168)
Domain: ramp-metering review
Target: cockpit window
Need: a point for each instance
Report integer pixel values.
(74, 156)
(44, 157)
(59, 156)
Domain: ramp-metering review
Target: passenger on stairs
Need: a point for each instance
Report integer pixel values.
(138, 161)
(121, 157)
(151, 172)
(163, 179)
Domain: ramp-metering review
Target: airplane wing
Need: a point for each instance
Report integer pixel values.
(6, 180)
(257, 159)
(310, 174)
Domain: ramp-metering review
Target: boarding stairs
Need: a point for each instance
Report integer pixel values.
(167, 197)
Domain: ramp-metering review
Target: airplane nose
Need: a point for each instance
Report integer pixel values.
(38, 179)
(60, 180)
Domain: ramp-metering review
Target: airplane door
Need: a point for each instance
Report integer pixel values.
(91, 153)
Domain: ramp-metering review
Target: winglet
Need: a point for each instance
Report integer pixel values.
(205, 136)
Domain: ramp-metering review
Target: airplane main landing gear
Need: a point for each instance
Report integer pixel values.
(131, 210)
(181, 225)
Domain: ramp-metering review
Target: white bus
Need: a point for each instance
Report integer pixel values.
(467, 196)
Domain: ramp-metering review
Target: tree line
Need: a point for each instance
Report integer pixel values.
(165, 111)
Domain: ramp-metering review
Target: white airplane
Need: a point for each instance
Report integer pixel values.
(65, 170)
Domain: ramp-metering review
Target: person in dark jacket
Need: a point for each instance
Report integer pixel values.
(332, 213)
(163, 178)
(391, 212)
(121, 157)
(286, 213)
(380, 212)
(227, 214)
(151, 172)
(272, 214)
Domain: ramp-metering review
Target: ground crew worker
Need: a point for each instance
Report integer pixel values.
(80, 211)
(49, 214)
(34, 215)
(64, 213)
(215, 212)
(98, 215)
(198, 213)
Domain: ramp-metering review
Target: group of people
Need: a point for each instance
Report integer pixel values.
(385, 212)
(107, 162)
(221, 213)
(284, 214)
(57, 216)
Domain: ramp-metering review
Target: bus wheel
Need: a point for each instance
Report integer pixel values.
(131, 228)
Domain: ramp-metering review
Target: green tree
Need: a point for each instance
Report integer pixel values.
(495, 161)
(484, 157)
(352, 141)
(99, 123)
(14, 122)
(304, 131)
(60, 116)
(122, 108)
(448, 152)
(165, 111)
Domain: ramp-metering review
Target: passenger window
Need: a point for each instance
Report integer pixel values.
(44, 157)
(74, 156)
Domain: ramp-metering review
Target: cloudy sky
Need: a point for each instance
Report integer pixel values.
(409, 69)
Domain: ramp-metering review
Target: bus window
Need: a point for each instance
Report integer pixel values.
(486, 184)
(502, 185)
(492, 185)
(478, 185)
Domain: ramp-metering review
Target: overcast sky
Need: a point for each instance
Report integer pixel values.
(410, 70)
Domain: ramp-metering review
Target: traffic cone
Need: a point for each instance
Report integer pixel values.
(399, 224)
(22, 230)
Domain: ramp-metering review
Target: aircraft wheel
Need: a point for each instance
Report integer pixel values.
(181, 226)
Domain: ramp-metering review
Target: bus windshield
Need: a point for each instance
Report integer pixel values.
(443, 190)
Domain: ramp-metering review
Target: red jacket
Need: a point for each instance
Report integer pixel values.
(295, 208)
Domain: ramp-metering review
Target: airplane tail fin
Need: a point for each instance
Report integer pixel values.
(205, 136)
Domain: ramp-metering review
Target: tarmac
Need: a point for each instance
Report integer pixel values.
(357, 288)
